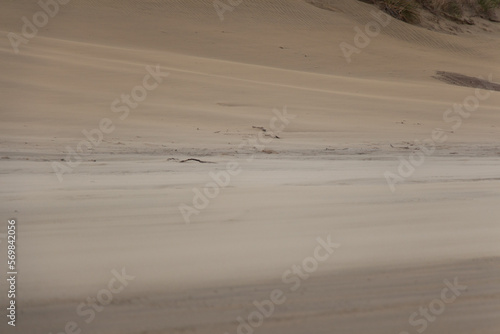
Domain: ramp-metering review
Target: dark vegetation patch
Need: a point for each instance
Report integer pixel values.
(466, 81)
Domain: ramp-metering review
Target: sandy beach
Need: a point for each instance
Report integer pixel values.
(172, 168)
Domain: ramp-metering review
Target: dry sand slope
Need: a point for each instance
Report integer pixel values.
(302, 233)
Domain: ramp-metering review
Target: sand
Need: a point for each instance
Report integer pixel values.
(333, 162)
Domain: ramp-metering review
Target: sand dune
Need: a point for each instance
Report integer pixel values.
(213, 85)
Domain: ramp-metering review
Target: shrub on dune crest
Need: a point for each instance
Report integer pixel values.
(409, 10)
(450, 8)
(488, 5)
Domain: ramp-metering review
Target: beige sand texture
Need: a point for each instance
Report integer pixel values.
(322, 178)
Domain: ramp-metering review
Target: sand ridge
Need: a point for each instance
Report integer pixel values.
(324, 175)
